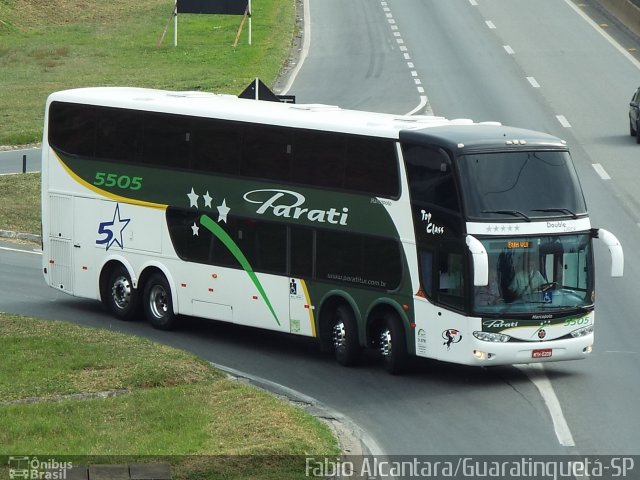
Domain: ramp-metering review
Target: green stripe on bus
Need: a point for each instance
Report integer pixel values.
(233, 247)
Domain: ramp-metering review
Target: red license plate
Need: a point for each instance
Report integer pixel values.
(542, 353)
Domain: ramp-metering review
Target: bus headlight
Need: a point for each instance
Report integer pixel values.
(581, 332)
(492, 337)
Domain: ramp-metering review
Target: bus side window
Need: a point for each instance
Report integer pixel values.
(430, 177)
(451, 277)
(215, 146)
(426, 272)
(301, 252)
(165, 140)
(266, 153)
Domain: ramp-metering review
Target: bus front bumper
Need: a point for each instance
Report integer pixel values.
(490, 353)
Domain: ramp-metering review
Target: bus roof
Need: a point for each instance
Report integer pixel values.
(483, 137)
(229, 107)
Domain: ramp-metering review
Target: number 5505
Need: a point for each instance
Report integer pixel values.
(124, 182)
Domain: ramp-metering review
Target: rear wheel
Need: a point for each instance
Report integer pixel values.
(344, 336)
(158, 304)
(632, 130)
(121, 298)
(393, 344)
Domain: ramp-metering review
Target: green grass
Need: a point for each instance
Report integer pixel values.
(20, 203)
(59, 44)
(170, 406)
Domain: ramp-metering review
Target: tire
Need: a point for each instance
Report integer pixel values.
(344, 337)
(637, 135)
(121, 298)
(393, 344)
(158, 303)
(632, 131)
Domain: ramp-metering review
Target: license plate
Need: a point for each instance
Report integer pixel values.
(542, 353)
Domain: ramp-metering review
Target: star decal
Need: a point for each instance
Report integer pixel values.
(119, 227)
(207, 199)
(193, 198)
(195, 229)
(223, 211)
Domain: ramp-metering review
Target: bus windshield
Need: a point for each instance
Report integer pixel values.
(520, 185)
(537, 274)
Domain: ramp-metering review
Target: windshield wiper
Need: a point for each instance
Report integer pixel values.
(560, 210)
(515, 213)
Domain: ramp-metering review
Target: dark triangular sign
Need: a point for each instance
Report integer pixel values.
(259, 91)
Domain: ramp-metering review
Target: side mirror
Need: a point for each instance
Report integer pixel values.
(480, 261)
(615, 248)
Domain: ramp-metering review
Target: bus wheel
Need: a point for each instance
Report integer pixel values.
(158, 305)
(344, 337)
(121, 298)
(393, 344)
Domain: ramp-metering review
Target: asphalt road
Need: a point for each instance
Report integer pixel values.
(559, 74)
(21, 160)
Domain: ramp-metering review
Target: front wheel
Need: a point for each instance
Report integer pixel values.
(393, 344)
(158, 304)
(121, 298)
(344, 337)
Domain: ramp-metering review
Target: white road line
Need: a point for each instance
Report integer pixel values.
(32, 252)
(473, 3)
(424, 102)
(508, 49)
(601, 171)
(563, 121)
(490, 24)
(533, 82)
(537, 375)
(306, 44)
(421, 105)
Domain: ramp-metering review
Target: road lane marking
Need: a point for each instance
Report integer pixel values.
(508, 49)
(32, 252)
(563, 121)
(534, 83)
(306, 45)
(601, 171)
(490, 24)
(538, 377)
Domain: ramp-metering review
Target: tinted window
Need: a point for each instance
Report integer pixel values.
(118, 135)
(372, 167)
(280, 154)
(318, 159)
(72, 128)
(301, 241)
(214, 146)
(263, 244)
(165, 140)
(430, 177)
(358, 259)
(266, 152)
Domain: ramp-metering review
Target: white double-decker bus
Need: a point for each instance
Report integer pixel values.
(416, 236)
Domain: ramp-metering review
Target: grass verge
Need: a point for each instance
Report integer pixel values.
(20, 203)
(59, 44)
(164, 404)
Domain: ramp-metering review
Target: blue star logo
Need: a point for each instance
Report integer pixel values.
(111, 232)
